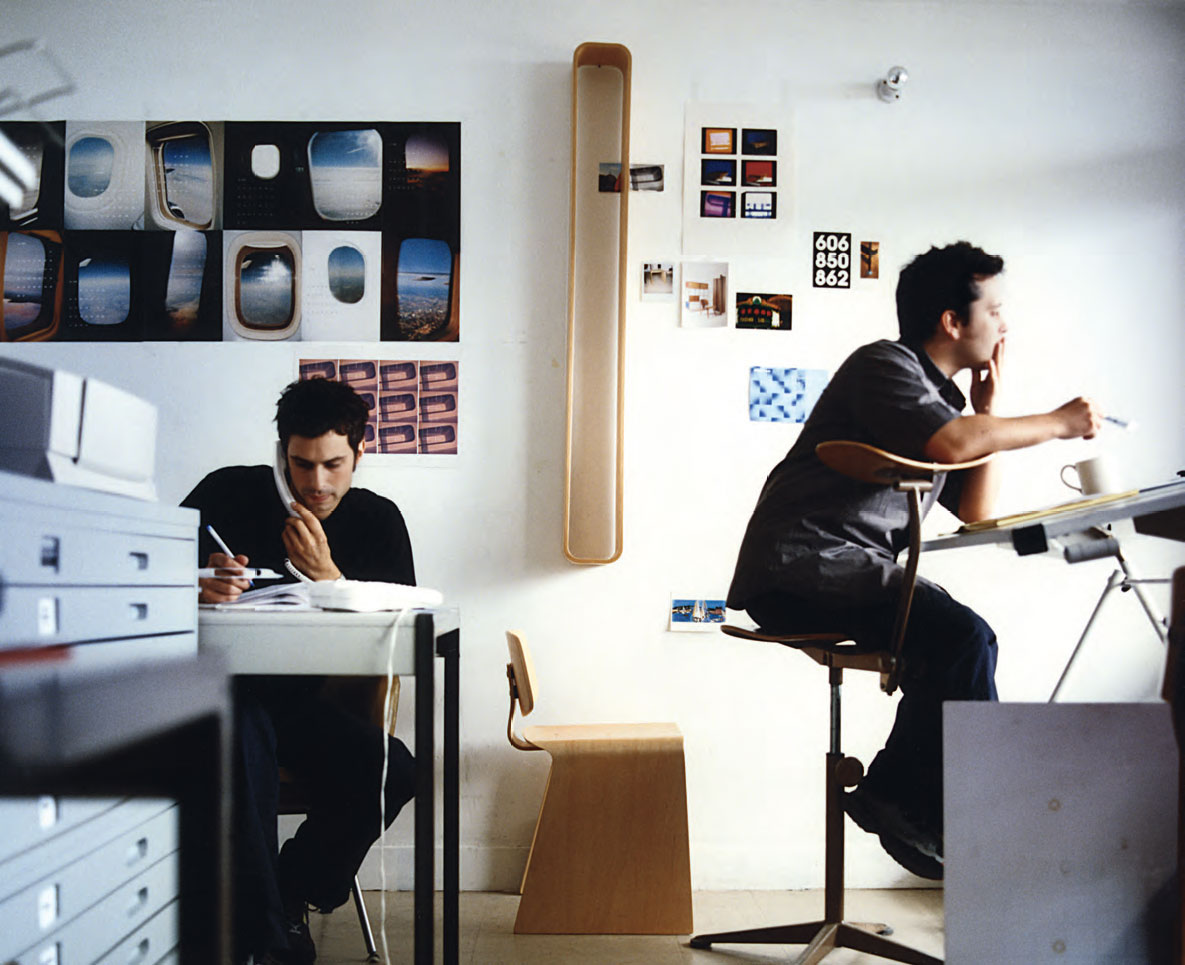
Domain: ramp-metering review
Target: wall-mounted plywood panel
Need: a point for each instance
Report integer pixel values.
(596, 306)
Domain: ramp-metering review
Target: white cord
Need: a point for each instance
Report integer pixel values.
(388, 720)
(295, 572)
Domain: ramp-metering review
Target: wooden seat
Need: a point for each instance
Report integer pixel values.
(837, 653)
(366, 698)
(610, 851)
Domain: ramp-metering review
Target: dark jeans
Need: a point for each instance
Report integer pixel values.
(338, 759)
(949, 654)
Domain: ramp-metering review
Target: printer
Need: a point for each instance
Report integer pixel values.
(76, 431)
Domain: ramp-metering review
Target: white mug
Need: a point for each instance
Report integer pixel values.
(1095, 477)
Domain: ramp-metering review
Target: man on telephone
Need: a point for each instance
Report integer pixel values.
(302, 517)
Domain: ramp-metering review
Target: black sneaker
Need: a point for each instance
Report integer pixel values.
(300, 950)
(880, 817)
(911, 859)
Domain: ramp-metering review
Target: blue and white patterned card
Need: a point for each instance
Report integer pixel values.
(784, 395)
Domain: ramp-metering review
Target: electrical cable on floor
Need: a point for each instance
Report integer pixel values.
(388, 722)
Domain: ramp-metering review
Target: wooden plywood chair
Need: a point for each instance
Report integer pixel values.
(364, 697)
(837, 653)
(610, 851)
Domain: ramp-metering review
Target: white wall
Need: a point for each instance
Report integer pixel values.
(1052, 133)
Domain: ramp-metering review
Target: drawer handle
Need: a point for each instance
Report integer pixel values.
(137, 852)
(140, 952)
(138, 903)
(139, 611)
(51, 552)
(140, 559)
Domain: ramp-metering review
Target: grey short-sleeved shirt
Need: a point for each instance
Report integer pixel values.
(818, 534)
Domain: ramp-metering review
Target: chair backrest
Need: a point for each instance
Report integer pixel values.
(869, 464)
(521, 674)
(872, 465)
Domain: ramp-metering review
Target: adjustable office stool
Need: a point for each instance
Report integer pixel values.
(837, 653)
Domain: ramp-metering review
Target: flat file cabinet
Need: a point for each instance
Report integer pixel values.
(110, 577)
(88, 880)
(114, 751)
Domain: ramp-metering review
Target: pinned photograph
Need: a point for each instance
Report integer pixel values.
(759, 140)
(705, 294)
(769, 312)
(759, 204)
(719, 140)
(717, 204)
(690, 614)
(759, 174)
(714, 171)
(784, 395)
(658, 281)
(643, 177)
(870, 259)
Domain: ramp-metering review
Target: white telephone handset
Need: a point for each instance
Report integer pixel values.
(280, 470)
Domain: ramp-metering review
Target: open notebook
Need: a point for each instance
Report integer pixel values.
(360, 596)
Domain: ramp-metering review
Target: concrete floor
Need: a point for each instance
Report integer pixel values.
(487, 930)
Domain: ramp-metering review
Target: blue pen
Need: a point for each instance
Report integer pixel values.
(222, 546)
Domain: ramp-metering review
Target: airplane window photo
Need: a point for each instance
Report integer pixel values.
(425, 270)
(267, 288)
(104, 291)
(33, 150)
(347, 274)
(183, 293)
(346, 173)
(89, 167)
(265, 161)
(426, 155)
(188, 174)
(24, 282)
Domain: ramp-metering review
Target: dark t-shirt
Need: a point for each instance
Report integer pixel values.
(366, 532)
(818, 534)
(367, 538)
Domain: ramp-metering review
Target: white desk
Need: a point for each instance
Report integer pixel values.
(1034, 535)
(1079, 532)
(347, 644)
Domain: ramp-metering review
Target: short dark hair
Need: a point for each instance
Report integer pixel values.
(313, 407)
(941, 279)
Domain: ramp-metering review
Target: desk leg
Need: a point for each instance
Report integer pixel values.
(425, 833)
(449, 647)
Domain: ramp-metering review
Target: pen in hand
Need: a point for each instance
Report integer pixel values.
(222, 546)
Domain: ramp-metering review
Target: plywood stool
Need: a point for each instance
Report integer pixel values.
(610, 852)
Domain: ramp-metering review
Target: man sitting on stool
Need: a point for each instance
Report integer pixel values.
(284, 721)
(819, 553)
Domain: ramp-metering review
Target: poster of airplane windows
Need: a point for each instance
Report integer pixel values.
(232, 231)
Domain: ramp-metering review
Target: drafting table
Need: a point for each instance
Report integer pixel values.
(1078, 530)
(346, 644)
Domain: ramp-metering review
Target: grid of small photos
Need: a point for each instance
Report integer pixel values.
(748, 162)
(232, 231)
(413, 404)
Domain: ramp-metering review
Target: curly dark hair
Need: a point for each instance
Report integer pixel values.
(941, 279)
(313, 407)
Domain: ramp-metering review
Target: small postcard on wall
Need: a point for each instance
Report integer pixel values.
(831, 259)
(784, 395)
(689, 614)
(658, 281)
(768, 312)
(643, 177)
(705, 294)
